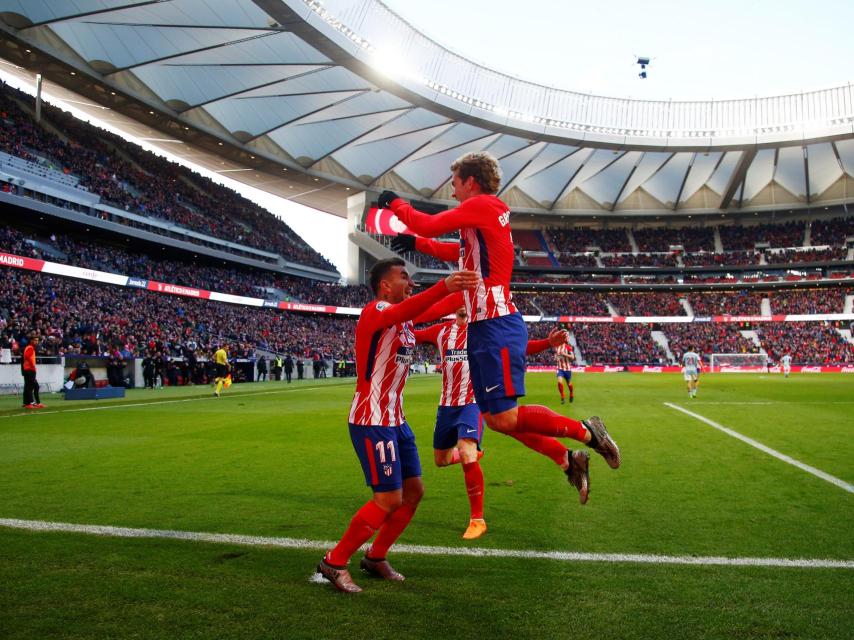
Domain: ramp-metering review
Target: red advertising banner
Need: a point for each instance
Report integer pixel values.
(177, 290)
(20, 262)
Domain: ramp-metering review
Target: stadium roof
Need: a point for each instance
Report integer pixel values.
(347, 96)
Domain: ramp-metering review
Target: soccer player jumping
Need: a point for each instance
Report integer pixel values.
(459, 428)
(497, 334)
(381, 437)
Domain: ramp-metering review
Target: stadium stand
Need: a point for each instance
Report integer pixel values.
(808, 343)
(126, 176)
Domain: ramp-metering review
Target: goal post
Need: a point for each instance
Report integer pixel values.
(738, 362)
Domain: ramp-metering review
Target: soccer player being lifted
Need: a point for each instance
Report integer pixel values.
(459, 429)
(381, 437)
(691, 366)
(497, 336)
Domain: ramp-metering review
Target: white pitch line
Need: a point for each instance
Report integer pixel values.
(248, 394)
(771, 452)
(322, 545)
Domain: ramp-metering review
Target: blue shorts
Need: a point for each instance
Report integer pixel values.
(456, 423)
(497, 361)
(566, 374)
(388, 455)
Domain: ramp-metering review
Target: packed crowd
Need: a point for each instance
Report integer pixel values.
(831, 232)
(577, 260)
(744, 238)
(78, 317)
(84, 252)
(640, 260)
(707, 338)
(691, 239)
(580, 239)
(618, 344)
(806, 342)
(789, 256)
(571, 303)
(130, 178)
(726, 259)
(647, 303)
(799, 301)
(719, 303)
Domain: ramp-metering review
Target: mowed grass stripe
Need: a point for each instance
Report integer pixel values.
(125, 405)
(321, 545)
(771, 452)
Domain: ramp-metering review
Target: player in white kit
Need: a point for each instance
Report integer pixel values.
(786, 364)
(691, 366)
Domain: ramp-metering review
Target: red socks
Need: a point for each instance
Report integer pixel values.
(560, 388)
(571, 391)
(473, 475)
(391, 530)
(363, 525)
(549, 447)
(534, 418)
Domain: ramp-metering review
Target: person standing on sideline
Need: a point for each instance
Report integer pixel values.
(221, 363)
(28, 370)
(300, 367)
(262, 368)
(289, 368)
(381, 437)
(497, 336)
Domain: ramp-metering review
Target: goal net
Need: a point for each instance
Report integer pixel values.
(735, 362)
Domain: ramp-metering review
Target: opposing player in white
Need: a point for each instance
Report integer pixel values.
(691, 366)
(786, 363)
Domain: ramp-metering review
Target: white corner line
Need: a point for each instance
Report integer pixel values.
(474, 552)
(771, 452)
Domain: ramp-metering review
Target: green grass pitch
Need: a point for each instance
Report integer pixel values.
(275, 460)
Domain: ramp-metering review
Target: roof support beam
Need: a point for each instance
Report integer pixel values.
(77, 16)
(684, 180)
(626, 182)
(737, 177)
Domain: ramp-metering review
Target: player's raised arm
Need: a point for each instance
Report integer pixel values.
(444, 250)
(425, 224)
(556, 338)
(441, 309)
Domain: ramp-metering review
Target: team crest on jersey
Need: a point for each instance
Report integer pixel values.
(387, 470)
(383, 305)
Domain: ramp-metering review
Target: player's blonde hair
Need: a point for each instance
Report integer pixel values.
(481, 166)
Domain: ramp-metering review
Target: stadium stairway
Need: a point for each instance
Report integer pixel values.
(754, 338)
(765, 307)
(848, 307)
(719, 245)
(689, 310)
(545, 245)
(664, 343)
(807, 235)
(632, 241)
(579, 357)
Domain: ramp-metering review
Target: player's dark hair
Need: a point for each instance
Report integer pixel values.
(379, 271)
(481, 166)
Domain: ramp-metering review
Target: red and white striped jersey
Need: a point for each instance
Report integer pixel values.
(384, 345)
(564, 356)
(486, 246)
(452, 342)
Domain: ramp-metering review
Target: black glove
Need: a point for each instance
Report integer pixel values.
(402, 243)
(386, 198)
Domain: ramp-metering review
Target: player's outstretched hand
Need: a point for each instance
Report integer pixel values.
(402, 243)
(460, 280)
(386, 198)
(558, 337)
